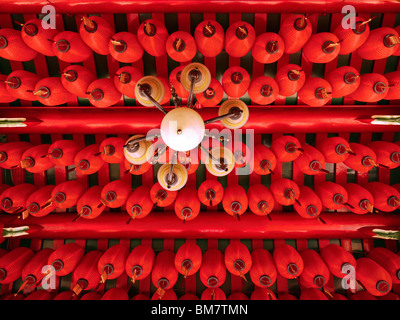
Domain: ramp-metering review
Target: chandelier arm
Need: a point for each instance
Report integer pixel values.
(158, 154)
(190, 97)
(207, 153)
(171, 169)
(224, 116)
(137, 140)
(175, 98)
(221, 138)
(154, 102)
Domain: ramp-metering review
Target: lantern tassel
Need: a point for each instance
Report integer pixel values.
(23, 285)
(348, 205)
(47, 204)
(160, 293)
(321, 220)
(327, 293)
(349, 151)
(78, 216)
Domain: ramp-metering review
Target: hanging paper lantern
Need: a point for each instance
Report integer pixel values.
(373, 87)
(334, 149)
(76, 79)
(212, 95)
(312, 294)
(213, 294)
(360, 199)
(381, 43)
(295, 31)
(125, 80)
(181, 46)
(362, 295)
(187, 204)
(322, 47)
(263, 271)
(13, 48)
(213, 270)
(96, 33)
(175, 81)
(63, 152)
(238, 259)
(311, 161)
(189, 296)
(115, 193)
(374, 278)
(162, 197)
(210, 192)
(189, 161)
(152, 35)
(285, 191)
(315, 273)
(66, 194)
(387, 259)
(386, 198)
(85, 276)
(288, 261)
(188, 259)
(309, 205)
(34, 159)
(88, 161)
(315, 92)
(286, 296)
(164, 274)
(112, 150)
(103, 93)
(11, 153)
(263, 90)
(140, 296)
(268, 47)
(238, 296)
(39, 203)
(168, 295)
(387, 153)
(264, 160)
(140, 262)
(65, 295)
(136, 169)
(111, 264)
(286, 148)
(394, 84)
(12, 296)
(12, 263)
(90, 296)
(90, 206)
(5, 96)
(333, 196)
(50, 92)
(235, 201)
(239, 39)
(21, 84)
(235, 81)
(389, 296)
(13, 199)
(140, 152)
(262, 294)
(352, 38)
(139, 204)
(290, 79)
(362, 159)
(40, 295)
(65, 258)
(125, 47)
(209, 36)
(344, 81)
(338, 296)
(68, 46)
(261, 200)
(37, 38)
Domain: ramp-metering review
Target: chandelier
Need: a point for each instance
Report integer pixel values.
(183, 130)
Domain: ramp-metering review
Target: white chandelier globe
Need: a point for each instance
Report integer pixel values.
(182, 129)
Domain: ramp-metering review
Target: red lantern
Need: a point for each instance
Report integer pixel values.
(125, 80)
(112, 150)
(37, 38)
(295, 31)
(338, 296)
(311, 161)
(387, 259)
(115, 294)
(66, 194)
(12, 296)
(362, 159)
(236, 81)
(334, 149)
(235, 201)
(315, 92)
(76, 79)
(21, 84)
(333, 195)
(286, 148)
(164, 274)
(40, 295)
(381, 43)
(139, 204)
(88, 161)
(34, 159)
(213, 294)
(309, 205)
(5, 96)
(136, 169)
(96, 33)
(13, 48)
(189, 161)
(261, 200)
(90, 296)
(312, 294)
(322, 47)
(140, 262)
(374, 278)
(315, 273)
(387, 153)
(238, 296)
(13, 199)
(212, 95)
(181, 46)
(373, 87)
(85, 276)
(175, 81)
(352, 38)
(168, 295)
(389, 296)
(263, 90)
(90, 206)
(65, 295)
(285, 191)
(239, 39)
(115, 193)
(51, 92)
(209, 36)
(212, 270)
(262, 294)
(188, 259)
(39, 203)
(210, 192)
(290, 79)
(287, 296)
(386, 198)
(264, 160)
(12, 263)
(161, 197)
(360, 199)
(268, 48)
(288, 261)
(103, 93)
(140, 296)
(68, 46)
(11, 153)
(362, 295)
(152, 35)
(238, 259)
(344, 81)
(125, 47)
(111, 264)
(187, 204)
(63, 152)
(189, 296)
(394, 84)
(263, 271)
